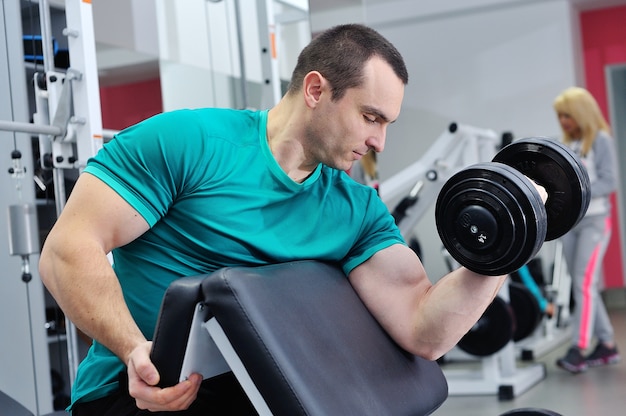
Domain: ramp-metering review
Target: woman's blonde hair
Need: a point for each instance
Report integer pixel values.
(580, 105)
(368, 161)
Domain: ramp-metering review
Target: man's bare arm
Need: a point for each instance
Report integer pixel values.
(75, 269)
(425, 319)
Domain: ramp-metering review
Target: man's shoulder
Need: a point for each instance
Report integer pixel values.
(344, 185)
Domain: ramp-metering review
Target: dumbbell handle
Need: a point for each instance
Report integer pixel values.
(540, 189)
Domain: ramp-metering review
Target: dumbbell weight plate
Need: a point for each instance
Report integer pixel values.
(492, 332)
(526, 309)
(557, 168)
(490, 218)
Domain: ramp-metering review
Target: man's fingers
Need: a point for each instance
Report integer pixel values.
(141, 367)
(143, 378)
(178, 397)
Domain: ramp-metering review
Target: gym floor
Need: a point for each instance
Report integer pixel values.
(598, 391)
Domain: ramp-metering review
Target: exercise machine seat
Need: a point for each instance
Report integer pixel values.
(306, 340)
(11, 407)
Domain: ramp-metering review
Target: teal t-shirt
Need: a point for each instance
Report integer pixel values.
(214, 196)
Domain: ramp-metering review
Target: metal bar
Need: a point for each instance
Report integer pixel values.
(58, 174)
(46, 35)
(85, 88)
(30, 128)
(271, 92)
(242, 59)
(86, 105)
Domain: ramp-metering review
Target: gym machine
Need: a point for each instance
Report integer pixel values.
(461, 146)
(552, 332)
(68, 118)
(68, 123)
(414, 190)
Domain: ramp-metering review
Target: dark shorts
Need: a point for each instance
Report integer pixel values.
(221, 395)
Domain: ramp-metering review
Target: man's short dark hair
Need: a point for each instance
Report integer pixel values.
(340, 54)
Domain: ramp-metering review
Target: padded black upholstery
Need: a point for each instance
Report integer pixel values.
(173, 324)
(306, 340)
(312, 348)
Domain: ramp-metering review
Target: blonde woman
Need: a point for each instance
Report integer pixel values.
(586, 131)
(365, 171)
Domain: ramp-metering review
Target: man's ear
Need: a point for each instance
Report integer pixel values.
(314, 85)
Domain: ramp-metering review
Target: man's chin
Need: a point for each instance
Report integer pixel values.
(347, 166)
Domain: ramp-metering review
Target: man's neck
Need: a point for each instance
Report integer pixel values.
(285, 139)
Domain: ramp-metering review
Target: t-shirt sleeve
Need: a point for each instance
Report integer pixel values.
(151, 163)
(379, 231)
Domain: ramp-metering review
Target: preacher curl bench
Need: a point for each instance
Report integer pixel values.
(298, 339)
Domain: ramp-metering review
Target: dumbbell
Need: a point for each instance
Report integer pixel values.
(530, 411)
(490, 216)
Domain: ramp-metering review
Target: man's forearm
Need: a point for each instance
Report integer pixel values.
(453, 305)
(86, 288)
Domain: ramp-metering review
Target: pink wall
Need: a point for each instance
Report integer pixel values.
(126, 104)
(604, 43)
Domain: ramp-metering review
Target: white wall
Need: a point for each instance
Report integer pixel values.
(127, 43)
(494, 64)
(199, 51)
(127, 24)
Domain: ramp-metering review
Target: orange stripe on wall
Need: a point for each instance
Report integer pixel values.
(273, 45)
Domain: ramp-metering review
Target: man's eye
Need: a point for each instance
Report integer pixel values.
(370, 119)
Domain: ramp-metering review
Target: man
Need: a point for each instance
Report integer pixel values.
(191, 191)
